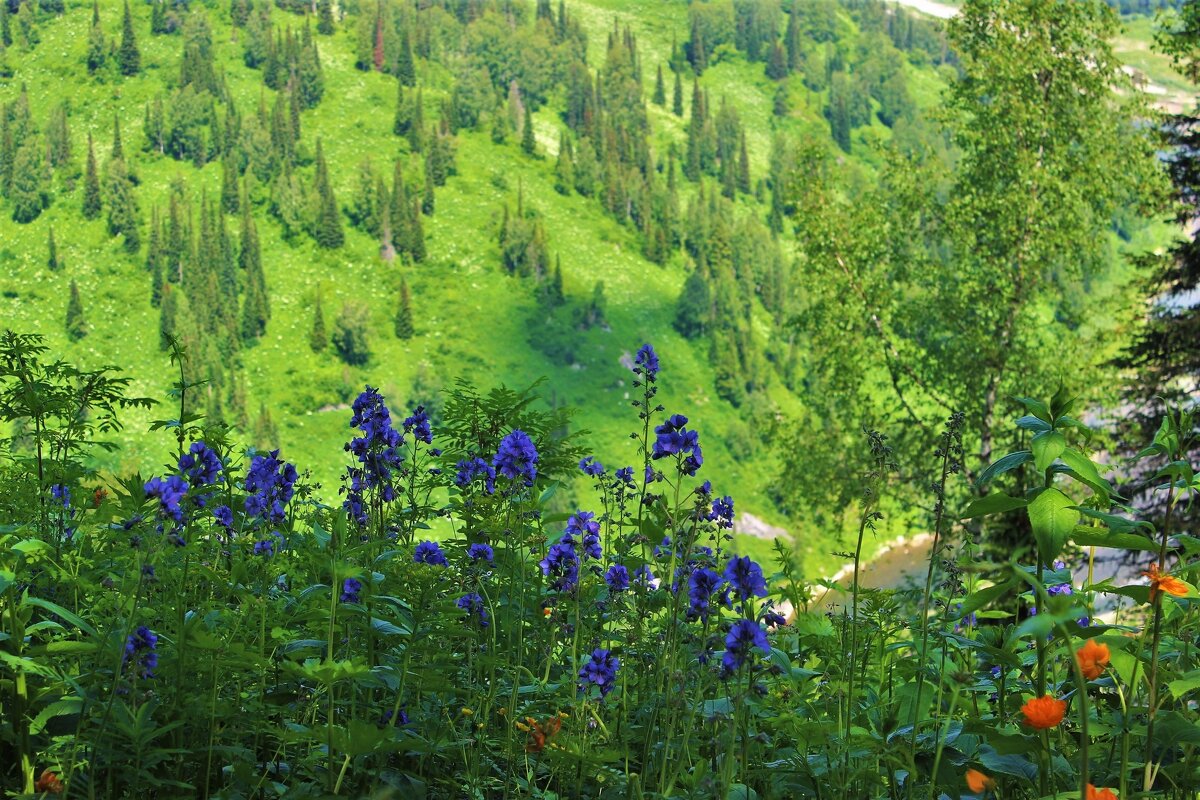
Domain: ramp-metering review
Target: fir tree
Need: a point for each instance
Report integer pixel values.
(697, 55)
(416, 234)
(528, 142)
(427, 197)
(97, 51)
(405, 70)
(791, 39)
(325, 17)
(254, 317)
(403, 120)
(660, 90)
(743, 168)
(694, 306)
(76, 324)
(318, 338)
(416, 131)
(52, 253)
(781, 103)
(27, 192)
(230, 196)
(250, 262)
(122, 207)
(6, 39)
(564, 167)
(327, 227)
(677, 97)
(777, 63)
(167, 313)
(128, 56)
(404, 315)
(350, 334)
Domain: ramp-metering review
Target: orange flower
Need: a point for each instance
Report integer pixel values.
(1164, 582)
(48, 782)
(979, 783)
(1044, 712)
(1092, 658)
(1100, 794)
(99, 496)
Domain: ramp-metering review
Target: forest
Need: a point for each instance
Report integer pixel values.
(871, 277)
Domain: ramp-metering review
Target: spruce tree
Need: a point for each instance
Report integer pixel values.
(777, 63)
(167, 313)
(52, 253)
(403, 119)
(416, 234)
(427, 198)
(128, 56)
(660, 89)
(405, 70)
(404, 315)
(350, 334)
(230, 196)
(327, 228)
(156, 284)
(743, 167)
(250, 261)
(416, 131)
(677, 97)
(254, 317)
(564, 167)
(76, 325)
(528, 141)
(6, 39)
(26, 192)
(791, 39)
(318, 338)
(123, 208)
(694, 306)
(97, 50)
(325, 17)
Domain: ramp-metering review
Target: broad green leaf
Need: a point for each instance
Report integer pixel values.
(29, 546)
(1003, 465)
(1084, 536)
(59, 708)
(1052, 516)
(1013, 764)
(994, 503)
(1188, 683)
(1117, 524)
(1047, 446)
(813, 625)
(1035, 407)
(1032, 423)
(977, 600)
(1086, 470)
(71, 617)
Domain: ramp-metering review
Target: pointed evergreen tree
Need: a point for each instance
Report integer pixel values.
(791, 40)
(403, 120)
(52, 253)
(777, 63)
(416, 131)
(427, 198)
(97, 50)
(528, 142)
(660, 90)
(76, 325)
(416, 234)
(230, 196)
(6, 39)
(327, 227)
(404, 315)
(128, 56)
(318, 338)
(405, 70)
(27, 192)
(677, 97)
(118, 149)
(250, 262)
(564, 167)
(325, 17)
(743, 168)
(254, 318)
(696, 52)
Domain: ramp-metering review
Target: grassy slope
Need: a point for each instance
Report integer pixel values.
(470, 316)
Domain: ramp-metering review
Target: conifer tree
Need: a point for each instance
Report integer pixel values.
(250, 262)
(318, 338)
(777, 63)
(310, 79)
(350, 334)
(52, 252)
(660, 90)
(6, 39)
(398, 222)
(327, 228)
(528, 141)
(696, 52)
(325, 17)
(128, 56)
(122, 207)
(694, 306)
(427, 198)
(27, 192)
(677, 97)
(416, 234)
(405, 70)
(564, 167)
(254, 318)
(230, 197)
(791, 40)
(404, 315)
(97, 51)
(743, 168)
(76, 324)
(416, 131)
(118, 149)
(156, 282)
(403, 120)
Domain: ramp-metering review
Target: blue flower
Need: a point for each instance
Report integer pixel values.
(672, 438)
(418, 425)
(377, 451)
(470, 469)
(62, 494)
(645, 363)
(200, 465)
(430, 553)
(266, 547)
(170, 492)
(351, 587)
(702, 584)
(617, 578)
(140, 647)
(269, 483)
(625, 475)
(474, 605)
(742, 637)
(224, 516)
(644, 577)
(746, 578)
(562, 565)
(583, 525)
(590, 466)
(722, 512)
(517, 458)
(481, 552)
(600, 671)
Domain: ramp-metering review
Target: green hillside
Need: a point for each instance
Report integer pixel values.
(473, 320)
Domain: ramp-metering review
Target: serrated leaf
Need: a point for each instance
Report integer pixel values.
(993, 503)
(59, 708)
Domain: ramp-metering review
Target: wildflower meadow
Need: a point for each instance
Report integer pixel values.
(220, 629)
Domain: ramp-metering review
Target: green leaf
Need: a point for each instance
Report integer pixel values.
(1032, 423)
(29, 546)
(813, 625)
(977, 600)
(994, 503)
(1085, 470)
(55, 608)
(1188, 683)
(1085, 536)
(59, 708)
(1117, 524)
(1053, 516)
(1047, 446)
(1015, 765)
(1003, 465)
(1035, 407)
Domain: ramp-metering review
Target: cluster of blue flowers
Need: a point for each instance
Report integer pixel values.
(62, 494)
(745, 578)
(743, 636)
(561, 565)
(600, 671)
(673, 439)
(417, 424)
(169, 492)
(517, 458)
(590, 466)
(475, 608)
(703, 583)
(645, 363)
(141, 650)
(471, 469)
(481, 552)
(430, 553)
(617, 578)
(584, 525)
(377, 450)
(270, 485)
(351, 589)
(201, 467)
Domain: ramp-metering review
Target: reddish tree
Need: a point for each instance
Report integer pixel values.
(378, 55)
